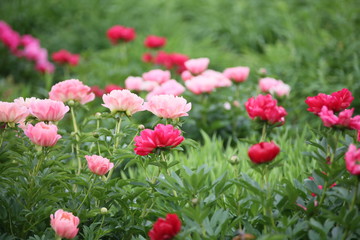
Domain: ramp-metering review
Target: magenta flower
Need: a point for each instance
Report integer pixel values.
(42, 134)
(197, 66)
(71, 89)
(263, 152)
(120, 33)
(64, 224)
(48, 110)
(168, 106)
(153, 41)
(237, 74)
(344, 119)
(162, 137)
(123, 101)
(99, 165)
(12, 112)
(157, 75)
(352, 160)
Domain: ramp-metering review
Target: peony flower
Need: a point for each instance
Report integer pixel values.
(99, 165)
(265, 108)
(48, 110)
(147, 57)
(111, 87)
(148, 86)
(12, 112)
(45, 67)
(221, 80)
(171, 87)
(65, 57)
(64, 224)
(25, 102)
(237, 74)
(186, 75)
(263, 152)
(157, 75)
(9, 37)
(134, 83)
(163, 136)
(123, 101)
(168, 106)
(71, 89)
(281, 89)
(153, 41)
(165, 229)
(42, 134)
(344, 119)
(352, 160)
(201, 84)
(197, 66)
(265, 84)
(120, 33)
(97, 91)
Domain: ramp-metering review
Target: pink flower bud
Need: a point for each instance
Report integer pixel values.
(98, 164)
(64, 224)
(197, 66)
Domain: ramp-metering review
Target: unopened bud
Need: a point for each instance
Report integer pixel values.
(97, 115)
(96, 135)
(234, 160)
(194, 201)
(103, 210)
(141, 127)
(71, 103)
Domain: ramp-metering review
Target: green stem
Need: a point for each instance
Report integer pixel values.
(98, 232)
(48, 81)
(268, 197)
(57, 237)
(87, 193)
(353, 201)
(97, 142)
(117, 131)
(39, 163)
(263, 135)
(77, 133)
(323, 194)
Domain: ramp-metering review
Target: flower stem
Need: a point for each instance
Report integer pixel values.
(268, 197)
(57, 237)
(352, 204)
(117, 131)
(77, 132)
(263, 135)
(87, 193)
(98, 232)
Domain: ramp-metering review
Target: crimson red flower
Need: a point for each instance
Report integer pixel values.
(153, 41)
(263, 152)
(110, 87)
(265, 108)
(162, 137)
(65, 57)
(336, 102)
(120, 33)
(165, 229)
(147, 57)
(97, 91)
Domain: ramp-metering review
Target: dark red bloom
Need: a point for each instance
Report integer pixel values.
(163, 136)
(110, 87)
(65, 57)
(97, 91)
(153, 41)
(263, 152)
(147, 57)
(120, 33)
(163, 58)
(165, 229)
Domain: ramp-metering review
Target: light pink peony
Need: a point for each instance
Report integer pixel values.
(186, 75)
(197, 66)
(221, 80)
(134, 83)
(157, 75)
(12, 112)
(237, 74)
(42, 134)
(201, 84)
(48, 110)
(64, 224)
(71, 89)
(123, 101)
(25, 101)
(171, 87)
(168, 106)
(148, 86)
(265, 84)
(45, 67)
(352, 160)
(280, 90)
(99, 165)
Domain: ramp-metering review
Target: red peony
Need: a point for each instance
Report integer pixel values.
(120, 33)
(110, 87)
(65, 57)
(263, 152)
(153, 41)
(163, 136)
(165, 229)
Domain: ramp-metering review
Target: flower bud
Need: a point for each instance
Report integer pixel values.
(71, 103)
(97, 115)
(141, 127)
(234, 160)
(103, 210)
(263, 152)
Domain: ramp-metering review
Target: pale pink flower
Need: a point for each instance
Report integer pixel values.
(45, 67)
(201, 84)
(186, 75)
(42, 134)
(134, 83)
(157, 75)
(171, 87)
(71, 89)
(64, 224)
(99, 165)
(221, 80)
(237, 74)
(12, 112)
(197, 66)
(148, 86)
(227, 105)
(265, 84)
(281, 89)
(168, 106)
(48, 110)
(25, 101)
(123, 101)
(352, 160)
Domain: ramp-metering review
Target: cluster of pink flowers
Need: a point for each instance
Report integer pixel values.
(352, 160)
(120, 33)
(170, 61)
(266, 109)
(26, 46)
(326, 107)
(65, 57)
(275, 87)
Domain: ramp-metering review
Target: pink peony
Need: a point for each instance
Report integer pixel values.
(163, 136)
(48, 110)
(201, 84)
(344, 119)
(168, 106)
(134, 83)
(123, 101)
(265, 108)
(237, 74)
(99, 165)
(71, 89)
(12, 112)
(64, 224)
(171, 87)
(42, 134)
(265, 84)
(25, 102)
(197, 66)
(157, 75)
(280, 90)
(221, 80)
(148, 86)
(44, 67)
(153, 41)
(352, 160)
(186, 75)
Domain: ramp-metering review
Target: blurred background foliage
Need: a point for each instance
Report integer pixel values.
(311, 45)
